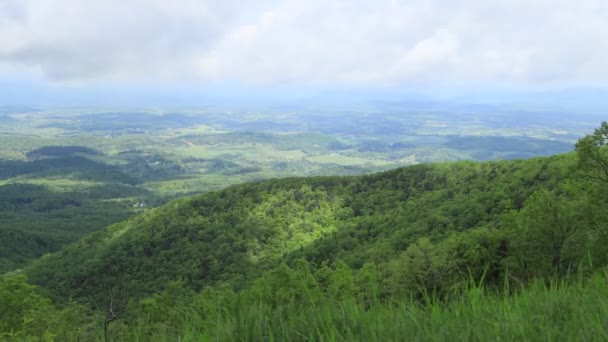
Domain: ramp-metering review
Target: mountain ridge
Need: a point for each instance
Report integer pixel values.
(236, 234)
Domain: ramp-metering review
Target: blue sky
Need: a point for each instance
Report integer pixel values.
(73, 45)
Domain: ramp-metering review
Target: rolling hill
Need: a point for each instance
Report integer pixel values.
(341, 253)
(235, 235)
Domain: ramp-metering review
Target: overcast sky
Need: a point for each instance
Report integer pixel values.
(384, 43)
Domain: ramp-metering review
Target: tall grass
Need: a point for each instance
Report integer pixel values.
(574, 311)
(568, 310)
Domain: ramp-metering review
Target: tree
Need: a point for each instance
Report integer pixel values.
(593, 154)
(549, 234)
(423, 269)
(20, 303)
(114, 308)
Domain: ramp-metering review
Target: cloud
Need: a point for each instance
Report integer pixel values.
(369, 42)
(74, 40)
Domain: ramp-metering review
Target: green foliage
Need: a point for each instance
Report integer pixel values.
(35, 219)
(28, 315)
(235, 235)
(286, 248)
(20, 304)
(558, 312)
(422, 267)
(60, 151)
(592, 154)
(98, 169)
(550, 234)
(473, 251)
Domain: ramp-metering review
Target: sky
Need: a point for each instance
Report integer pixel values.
(172, 45)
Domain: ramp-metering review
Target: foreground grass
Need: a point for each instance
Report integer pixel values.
(565, 311)
(540, 312)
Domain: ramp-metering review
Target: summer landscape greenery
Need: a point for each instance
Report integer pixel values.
(182, 228)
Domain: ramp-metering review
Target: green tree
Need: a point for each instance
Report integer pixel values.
(422, 268)
(550, 234)
(27, 315)
(593, 154)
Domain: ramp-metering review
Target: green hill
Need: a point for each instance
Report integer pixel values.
(234, 235)
(340, 258)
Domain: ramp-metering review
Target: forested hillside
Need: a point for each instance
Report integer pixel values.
(65, 173)
(305, 258)
(235, 234)
(57, 196)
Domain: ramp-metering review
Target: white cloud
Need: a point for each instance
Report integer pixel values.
(309, 41)
(74, 40)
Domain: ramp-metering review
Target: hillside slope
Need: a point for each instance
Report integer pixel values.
(234, 235)
(456, 250)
